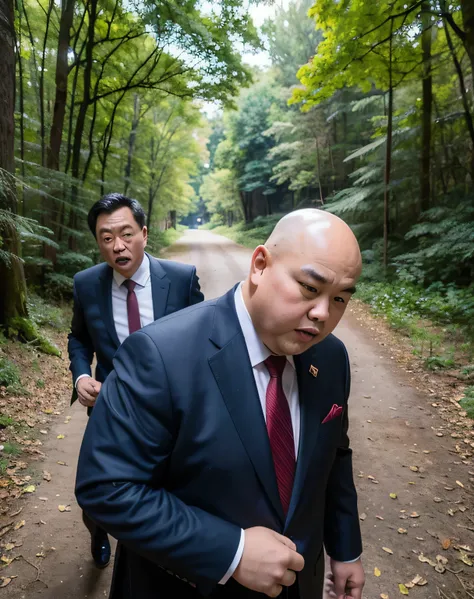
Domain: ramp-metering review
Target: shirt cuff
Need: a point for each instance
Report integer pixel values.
(81, 376)
(351, 561)
(236, 560)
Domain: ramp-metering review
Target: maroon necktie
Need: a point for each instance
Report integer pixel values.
(280, 430)
(133, 311)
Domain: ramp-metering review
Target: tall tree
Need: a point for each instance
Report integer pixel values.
(13, 288)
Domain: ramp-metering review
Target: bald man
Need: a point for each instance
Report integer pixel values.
(217, 452)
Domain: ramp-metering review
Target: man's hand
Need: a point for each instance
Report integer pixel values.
(269, 562)
(87, 391)
(345, 581)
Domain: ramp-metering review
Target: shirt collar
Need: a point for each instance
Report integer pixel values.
(141, 275)
(257, 351)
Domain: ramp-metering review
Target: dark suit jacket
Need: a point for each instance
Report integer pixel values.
(176, 458)
(174, 286)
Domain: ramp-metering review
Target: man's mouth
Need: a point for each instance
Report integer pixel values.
(122, 260)
(308, 334)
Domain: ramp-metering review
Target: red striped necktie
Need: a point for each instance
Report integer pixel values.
(280, 430)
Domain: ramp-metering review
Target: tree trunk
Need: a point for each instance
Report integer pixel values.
(467, 10)
(427, 84)
(173, 218)
(22, 96)
(388, 155)
(41, 85)
(62, 70)
(465, 101)
(318, 158)
(13, 287)
(131, 142)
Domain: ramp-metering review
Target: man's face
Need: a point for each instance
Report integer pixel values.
(301, 296)
(121, 241)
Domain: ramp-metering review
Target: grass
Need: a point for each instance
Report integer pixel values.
(3, 466)
(9, 373)
(6, 421)
(467, 402)
(11, 449)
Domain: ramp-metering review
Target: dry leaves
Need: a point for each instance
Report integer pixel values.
(64, 508)
(377, 572)
(46, 476)
(387, 550)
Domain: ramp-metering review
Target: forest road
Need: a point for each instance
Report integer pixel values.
(393, 430)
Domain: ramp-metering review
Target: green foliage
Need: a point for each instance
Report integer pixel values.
(71, 262)
(467, 402)
(9, 376)
(158, 240)
(439, 363)
(11, 449)
(59, 286)
(44, 313)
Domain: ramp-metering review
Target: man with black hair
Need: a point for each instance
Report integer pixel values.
(116, 298)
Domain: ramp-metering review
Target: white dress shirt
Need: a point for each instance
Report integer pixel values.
(144, 295)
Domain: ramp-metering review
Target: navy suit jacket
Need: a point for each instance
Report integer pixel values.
(174, 286)
(176, 457)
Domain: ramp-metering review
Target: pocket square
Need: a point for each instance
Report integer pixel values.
(334, 412)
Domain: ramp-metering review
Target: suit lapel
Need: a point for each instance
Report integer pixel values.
(160, 287)
(233, 373)
(310, 402)
(105, 298)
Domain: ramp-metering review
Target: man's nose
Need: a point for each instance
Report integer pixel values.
(119, 246)
(320, 310)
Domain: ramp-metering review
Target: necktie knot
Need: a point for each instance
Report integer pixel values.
(129, 284)
(275, 365)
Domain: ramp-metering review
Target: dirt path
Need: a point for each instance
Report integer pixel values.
(394, 432)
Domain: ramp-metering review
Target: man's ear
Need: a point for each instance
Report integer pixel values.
(145, 235)
(259, 262)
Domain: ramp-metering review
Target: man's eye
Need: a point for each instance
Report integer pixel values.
(308, 288)
(340, 299)
(107, 239)
(127, 235)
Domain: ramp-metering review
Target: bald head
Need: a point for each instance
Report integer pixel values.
(301, 280)
(302, 230)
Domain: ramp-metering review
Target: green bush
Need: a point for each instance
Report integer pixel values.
(467, 402)
(42, 313)
(58, 286)
(9, 373)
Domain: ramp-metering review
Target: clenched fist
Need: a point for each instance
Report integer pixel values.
(87, 390)
(269, 562)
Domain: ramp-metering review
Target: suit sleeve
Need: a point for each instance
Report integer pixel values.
(80, 348)
(342, 537)
(195, 293)
(121, 478)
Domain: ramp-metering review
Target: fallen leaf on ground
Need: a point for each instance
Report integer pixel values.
(446, 544)
(64, 508)
(437, 499)
(403, 590)
(414, 515)
(60, 437)
(29, 489)
(402, 531)
(387, 550)
(459, 483)
(6, 580)
(414, 468)
(380, 517)
(377, 572)
(384, 596)
(9, 546)
(6, 560)
(393, 495)
(19, 525)
(465, 558)
(363, 516)
(46, 475)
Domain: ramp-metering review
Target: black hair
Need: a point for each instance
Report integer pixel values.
(112, 202)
